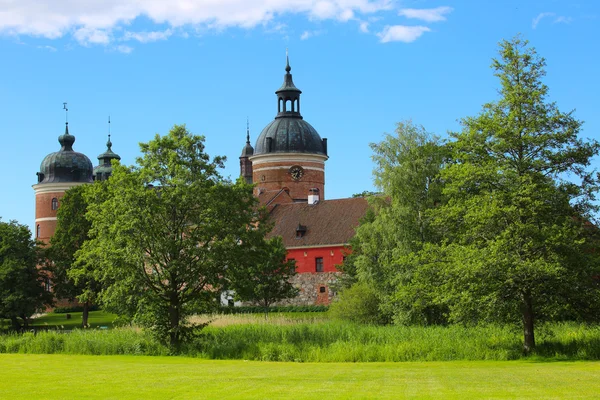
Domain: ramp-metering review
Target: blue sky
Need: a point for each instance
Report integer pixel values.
(362, 65)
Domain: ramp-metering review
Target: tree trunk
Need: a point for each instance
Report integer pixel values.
(25, 321)
(15, 323)
(85, 314)
(528, 333)
(174, 321)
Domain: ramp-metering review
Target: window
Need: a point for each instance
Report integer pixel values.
(322, 289)
(37, 231)
(319, 264)
(55, 203)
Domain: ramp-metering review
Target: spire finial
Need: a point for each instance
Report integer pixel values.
(109, 143)
(247, 130)
(66, 113)
(287, 61)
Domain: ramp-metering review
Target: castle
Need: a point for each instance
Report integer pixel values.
(287, 167)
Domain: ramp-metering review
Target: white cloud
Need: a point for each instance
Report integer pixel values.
(145, 37)
(97, 21)
(560, 19)
(364, 27)
(124, 49)
(49, 48)
(401, 33)
(540, 16)
(308, 34)
(87, 36)
(426, 14)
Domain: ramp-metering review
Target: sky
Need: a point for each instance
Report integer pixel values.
(362, 65)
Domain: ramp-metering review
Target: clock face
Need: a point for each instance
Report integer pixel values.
(296, 172)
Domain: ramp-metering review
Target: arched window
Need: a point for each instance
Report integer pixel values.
(37, 231)
(288, 106)
(55, 203)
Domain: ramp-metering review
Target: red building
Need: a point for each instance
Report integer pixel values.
(287, 165)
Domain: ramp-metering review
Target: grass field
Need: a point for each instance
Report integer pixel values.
(60, 321)
(129, 377)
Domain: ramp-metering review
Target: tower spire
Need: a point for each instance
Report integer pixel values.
(247, 130)
(109, 143)
(287, 61)
(66, 118)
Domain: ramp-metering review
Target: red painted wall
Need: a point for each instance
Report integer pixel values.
(305, 258)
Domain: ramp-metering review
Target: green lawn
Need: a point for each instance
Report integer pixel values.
(28, 376)
(60, 321)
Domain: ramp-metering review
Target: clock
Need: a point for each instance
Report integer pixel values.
(296, 172)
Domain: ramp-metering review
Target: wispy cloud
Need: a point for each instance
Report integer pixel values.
(363, 26)
(556, 19)
(146, 37)
(49, 48)
(401, 33)
(124, 49)
(426, 14)
(308, 34)
(87, 36)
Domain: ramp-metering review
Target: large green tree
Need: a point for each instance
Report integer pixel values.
(266, 275)
(407, 166)
(71, 232)
(517, 242)
(21, 281)
(167, 233)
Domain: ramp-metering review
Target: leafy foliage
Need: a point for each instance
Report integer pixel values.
(165, 233)
(21, 281)
(266, 278)
(358, 303)
(517, 244)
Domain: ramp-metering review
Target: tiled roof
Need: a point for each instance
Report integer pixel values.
(327, 222)
(270, 198)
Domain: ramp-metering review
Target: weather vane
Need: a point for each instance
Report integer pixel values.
(66, 112)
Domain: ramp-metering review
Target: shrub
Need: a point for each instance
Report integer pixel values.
(358, 303)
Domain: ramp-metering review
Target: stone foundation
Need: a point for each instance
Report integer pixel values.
(315, 288)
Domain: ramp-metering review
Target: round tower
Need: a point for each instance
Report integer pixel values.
(289, 153)
(59, 172)
(247, 152)
(103, 170)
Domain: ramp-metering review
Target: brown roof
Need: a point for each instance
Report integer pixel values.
(327, 222)
(269, 198)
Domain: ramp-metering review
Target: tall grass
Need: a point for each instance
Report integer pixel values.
(330, 341)
(91, 342)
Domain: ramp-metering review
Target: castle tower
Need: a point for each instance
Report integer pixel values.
(247, 152)
(104, 168)
(289, 153)
(59, 172)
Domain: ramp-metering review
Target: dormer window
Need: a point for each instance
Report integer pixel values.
(55, 204)
(300, 231)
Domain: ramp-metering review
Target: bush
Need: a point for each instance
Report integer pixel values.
(273, 309)
(72, 309)
(358, 303)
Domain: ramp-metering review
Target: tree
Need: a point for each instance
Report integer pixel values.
(71, 232)
(166, 231)
(518, 198)
(266, 278)
(407, 166)
(21, 281)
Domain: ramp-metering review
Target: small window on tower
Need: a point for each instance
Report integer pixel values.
(322, 289)
(319, 264)
(55, 203)
(37, 231)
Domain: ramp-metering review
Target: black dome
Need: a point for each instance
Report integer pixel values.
(289, 135)
(65, 165)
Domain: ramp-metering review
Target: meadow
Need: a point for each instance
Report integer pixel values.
(27, 376)
(312, 337)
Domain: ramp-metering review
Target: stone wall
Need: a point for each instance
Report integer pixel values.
(315, 288)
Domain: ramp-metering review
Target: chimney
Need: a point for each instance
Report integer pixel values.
(313, 196)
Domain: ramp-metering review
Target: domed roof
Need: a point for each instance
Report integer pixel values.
(248, 150)
(104, 167)
(289, 135)
(65, 165)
